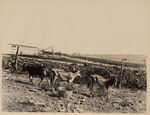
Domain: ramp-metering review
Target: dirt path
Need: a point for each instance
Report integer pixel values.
(20, 96)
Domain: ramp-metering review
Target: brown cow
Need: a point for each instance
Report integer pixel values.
(39, 70)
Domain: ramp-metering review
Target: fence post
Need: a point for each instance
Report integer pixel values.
(144, 62)
(121, 74)
(122, 68)
(16, 56)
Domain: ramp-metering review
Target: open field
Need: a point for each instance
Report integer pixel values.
(20, 96)
(135, 61)
(130, 58)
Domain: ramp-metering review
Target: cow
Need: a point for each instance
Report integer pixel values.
(63, 83)
(39, 70)
(102, 82)
(60, 75)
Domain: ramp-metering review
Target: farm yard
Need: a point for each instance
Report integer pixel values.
(127, 95)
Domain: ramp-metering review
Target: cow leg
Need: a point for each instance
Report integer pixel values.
(50, 82)
(47, 81)
(53, 84)
(40, 81)
(66, 103)
(91, 93)
(104, 91)
(44, 74)
(106, 94)
(30, 80)
(80, 87)
(91, 88)
(51, 79)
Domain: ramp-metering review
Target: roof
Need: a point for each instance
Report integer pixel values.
(23, 45)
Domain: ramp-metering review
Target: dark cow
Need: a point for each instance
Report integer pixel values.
(110, 82)
(39, 70)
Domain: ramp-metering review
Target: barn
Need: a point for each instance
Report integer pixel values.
(23, 49)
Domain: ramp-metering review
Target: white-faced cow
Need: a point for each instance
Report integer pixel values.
(62, 76)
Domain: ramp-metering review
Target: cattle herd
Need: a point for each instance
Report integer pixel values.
(61, 76)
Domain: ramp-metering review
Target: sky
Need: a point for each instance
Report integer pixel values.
(77, 26)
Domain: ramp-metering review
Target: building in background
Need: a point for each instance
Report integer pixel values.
(23, 49)
(49, 50)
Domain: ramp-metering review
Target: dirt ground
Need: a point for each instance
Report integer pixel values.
(20, 96)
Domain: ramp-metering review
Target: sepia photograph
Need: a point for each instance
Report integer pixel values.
(74, 56)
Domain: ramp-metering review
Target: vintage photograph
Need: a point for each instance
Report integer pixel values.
(71, 56)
